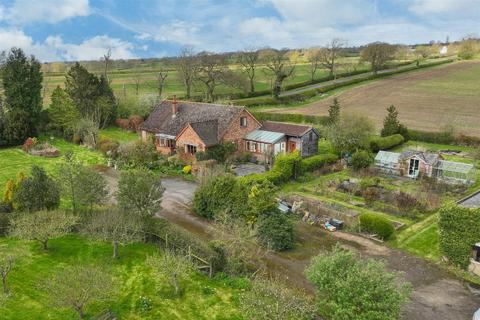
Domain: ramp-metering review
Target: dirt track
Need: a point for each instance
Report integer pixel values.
(426, 100)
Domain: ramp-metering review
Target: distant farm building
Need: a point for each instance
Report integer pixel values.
(416, 164)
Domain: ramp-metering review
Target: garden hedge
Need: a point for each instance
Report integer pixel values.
(377, 224)
(316, 162)
(385, 143)
(459, 230)
(291, 117)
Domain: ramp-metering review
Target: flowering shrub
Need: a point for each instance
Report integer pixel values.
(187, 169)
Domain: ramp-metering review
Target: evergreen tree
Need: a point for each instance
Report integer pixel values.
(62, 112)
(2, 124)
(334, 112)
(391, 125)
(22, 87)
(22, 83)
(92, 96)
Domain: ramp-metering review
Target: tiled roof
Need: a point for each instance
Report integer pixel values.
(161, 120)
(207, 131)
(430, 158)
(289, 129)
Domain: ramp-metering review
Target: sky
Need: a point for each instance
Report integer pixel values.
(67, 30)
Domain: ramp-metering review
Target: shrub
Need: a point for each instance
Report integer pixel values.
(385, 143)
(122, 123)
(316, 162)
(220, 153)
(29, 144)
(275, 231)
(134, 121)
(362, 159)
(405, 201)
(212, 196)
(4, 223)
(459, 229)
(378, 225)
(187, 169)
(370, 194)
(108, 147)
(138, 154)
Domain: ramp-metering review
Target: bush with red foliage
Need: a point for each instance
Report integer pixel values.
(122, 123)
(135, 121)
(28, 144)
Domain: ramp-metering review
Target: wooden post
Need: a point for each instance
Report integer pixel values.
(210, 273)
(166, 240)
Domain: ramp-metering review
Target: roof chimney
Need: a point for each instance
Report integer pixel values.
(174, 106)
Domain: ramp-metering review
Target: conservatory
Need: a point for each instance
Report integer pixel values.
(454, 171)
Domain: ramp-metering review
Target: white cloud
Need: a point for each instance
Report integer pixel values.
(461, 8)
(49, 11)
(55, 49)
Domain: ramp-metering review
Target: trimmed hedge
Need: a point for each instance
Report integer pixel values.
(287, 166)
(316, 162)
(385, 143)
(459, 230)
(377, 224)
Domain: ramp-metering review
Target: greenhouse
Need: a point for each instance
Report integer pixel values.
(454, 171)
(388, 162)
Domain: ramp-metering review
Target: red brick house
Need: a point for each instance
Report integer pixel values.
(193, 126)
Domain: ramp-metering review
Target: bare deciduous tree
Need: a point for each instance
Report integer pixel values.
(42, 226)
(161, 80)
(106, 60)
(249, 59)
(280, 66)
(115, 226)
(137, 80)
(377, 53)
(210, 72)
(174, 267)
(186, 64)
(314, 58)
(77, 286)
(330, 54)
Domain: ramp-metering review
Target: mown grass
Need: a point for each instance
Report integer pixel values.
(203, 298)
(14, 160)
(119, 135)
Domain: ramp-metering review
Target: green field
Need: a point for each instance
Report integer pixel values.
(123, 81)
(203, 298)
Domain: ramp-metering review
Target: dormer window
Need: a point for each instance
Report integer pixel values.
(243, 121)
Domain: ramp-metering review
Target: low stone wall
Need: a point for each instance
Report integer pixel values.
(474, 267)
(323, 210)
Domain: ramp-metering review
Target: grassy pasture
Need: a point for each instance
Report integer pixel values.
(427, 99)
(203, 298)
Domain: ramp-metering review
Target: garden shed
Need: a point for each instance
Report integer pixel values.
(454, 171)
(388, 162)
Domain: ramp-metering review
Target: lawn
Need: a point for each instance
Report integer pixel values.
(203, 298)
(14, 160)
(120, 135)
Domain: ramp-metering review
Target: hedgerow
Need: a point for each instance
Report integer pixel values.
(459, 230)
(316, 162)
(377, 224)
(385, 143)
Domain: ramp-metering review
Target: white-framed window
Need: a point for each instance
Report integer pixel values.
(243, 122)
(163, 142)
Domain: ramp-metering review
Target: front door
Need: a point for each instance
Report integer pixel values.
(413, 168)
(292, 145)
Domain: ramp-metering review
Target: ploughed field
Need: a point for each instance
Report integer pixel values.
(427, 99)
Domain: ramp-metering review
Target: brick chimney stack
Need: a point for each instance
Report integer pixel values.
(174, 106)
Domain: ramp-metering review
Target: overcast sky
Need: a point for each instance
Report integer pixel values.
(84, 29)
